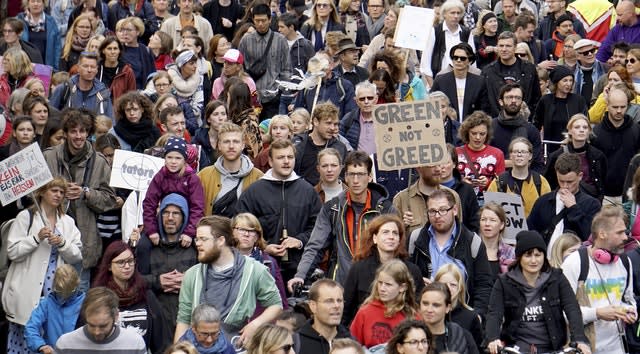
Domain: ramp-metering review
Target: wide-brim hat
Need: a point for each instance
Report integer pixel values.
(346, 44)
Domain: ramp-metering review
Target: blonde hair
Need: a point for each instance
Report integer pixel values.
(304, 114)
(183, 346)
(267, 339)
(95, 37)
(103, 121)
(135, 21)
(251, 221)
(314, 20)
(281, 119)
(524, 46)
(55, 182)
(574, 118)
(66, 50)
(563, 243)
(462, 289)
(65, 280)
(479, 30)
(406, 301)
(20, 64)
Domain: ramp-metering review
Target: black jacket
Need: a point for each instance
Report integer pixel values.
(508, 302)
(475, 92)
(554, 123)
(619, 145)
(357, 287)
(311, 174)
(277, 204)
(440, 46)
(505, 130)
(577, 219)
(597, 169)
(496, 75)
(308, 340)
(479, 278)
(469, 320)
(455, 340)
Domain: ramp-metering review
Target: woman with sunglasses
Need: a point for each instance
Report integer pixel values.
(324, 18)
(524, 52)
(139, 307)
(633, 67)
(554, 110)
(270, 339)
(617, 75)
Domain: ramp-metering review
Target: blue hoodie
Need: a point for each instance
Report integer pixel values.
(179, 201)
(55, 316)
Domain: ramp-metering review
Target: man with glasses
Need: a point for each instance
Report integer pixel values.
(588, 70)
(512, 123)
(626, 30)
(205, 333)
(285, 204)
(163, 266)
(466, 91)
(510, 69)
(342, 221)
(566, 209)
(444, 240)
(547, 26)
(326, 302)
(357, 126)
(375, 19)
(100, 334)
(227, 280)
(231, 174)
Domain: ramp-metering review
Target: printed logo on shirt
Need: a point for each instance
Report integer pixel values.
(598, 289)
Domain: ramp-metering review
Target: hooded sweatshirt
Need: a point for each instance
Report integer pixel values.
(231, 179)
(179, 201)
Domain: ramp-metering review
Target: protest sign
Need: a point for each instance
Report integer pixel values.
(414, 27)
(132, 170)
(22, 173)
(513, 207)
(409, 134)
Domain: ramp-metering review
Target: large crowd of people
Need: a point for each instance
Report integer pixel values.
(263, 113)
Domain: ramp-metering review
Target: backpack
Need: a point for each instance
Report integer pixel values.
(506, 180)
(4, 235)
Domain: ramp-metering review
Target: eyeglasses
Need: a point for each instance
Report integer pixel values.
(588, 52)
(286, 348)
(459, 58)
(374, 6)
(513, 98)
(132, 109)
(250, 232)
(520, 152)
(5, 31)
(125, 262)
(366, 98)
(162, 85)
(323, 6)
(521, 55)
(167, 214)
(416, 342)
(632, 61)
(126, 30)
(441, 211)
(356, 174)
(205, 335)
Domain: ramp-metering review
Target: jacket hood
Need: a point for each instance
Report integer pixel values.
(378, 192)
(307, 331)
(269, 177)
(245, 167)
(606, 123)
(179, 201)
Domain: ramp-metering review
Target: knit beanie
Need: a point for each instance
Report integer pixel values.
(559, 72)
(526, 240)
(487, 17)
(176, 144)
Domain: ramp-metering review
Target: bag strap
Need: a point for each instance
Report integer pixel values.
(584, 264)
(266, 49)
(554, 221)
(537, 181)
(470, 163)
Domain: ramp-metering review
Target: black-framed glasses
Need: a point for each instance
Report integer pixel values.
(441, 211)
(286, 348)
(415, 342)
(366, 98)
(205, 335)
(588, 52)
(242, 230)
(459, 58)
(124, 262)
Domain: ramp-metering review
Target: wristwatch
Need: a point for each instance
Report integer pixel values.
(85, 190)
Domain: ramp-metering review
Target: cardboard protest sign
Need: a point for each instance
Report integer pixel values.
(132, 170)
(513, 207)
(23, 173)
(409, 134)
(414, 27)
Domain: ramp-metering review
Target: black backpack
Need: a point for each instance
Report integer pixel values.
(4, 235)
(506, 182)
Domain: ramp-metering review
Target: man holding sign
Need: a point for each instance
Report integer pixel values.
(87, 172)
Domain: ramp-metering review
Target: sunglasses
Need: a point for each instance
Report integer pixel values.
(459, 58)
(365, 98)
(632, 61)
(287, 347)
(588, 52)
(521, 55)
(322, 6)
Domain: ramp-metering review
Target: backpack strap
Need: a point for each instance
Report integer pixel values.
(584, 264)
(537, 181)
(502, 183)
(341, 88)
(627, 265)
(475, 245)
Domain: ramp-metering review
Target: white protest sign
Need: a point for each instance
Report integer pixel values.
(513, 207)
(23, 173)
(409, 134)
(414, 27)
(132, 170)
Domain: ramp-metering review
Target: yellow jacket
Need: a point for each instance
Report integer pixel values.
(212, 183)
(597, 111)
(529, 192)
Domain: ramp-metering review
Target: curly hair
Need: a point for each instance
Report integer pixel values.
(394, 62)
(136, 98)
(473, 120)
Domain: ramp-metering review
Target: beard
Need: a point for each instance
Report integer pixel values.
(209, 256)
(431, 180)
(512, 110)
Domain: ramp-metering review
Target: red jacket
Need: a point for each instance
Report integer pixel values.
(5, 89)
(123, 82)
(370, 327)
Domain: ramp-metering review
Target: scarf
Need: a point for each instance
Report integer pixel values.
(130, 296)
(79, 44)
(220, 346)
(140, 136)
(518, 124)
(185, 88)
(35, 26)
(74, 160)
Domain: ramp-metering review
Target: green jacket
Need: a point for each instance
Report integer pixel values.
(257, 285)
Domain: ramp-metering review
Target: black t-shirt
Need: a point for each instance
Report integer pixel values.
(107, 75)
(309, 161)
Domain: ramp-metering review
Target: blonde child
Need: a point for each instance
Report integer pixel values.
(301, 119)
(280, 127)
(103, 124)
(175, 177)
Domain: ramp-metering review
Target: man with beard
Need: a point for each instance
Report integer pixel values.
(512, 123)
(232, 173)
(444, 240)
(230, 282)
(100, 334)
(168, 261)
(326, 302)
(604, 262)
